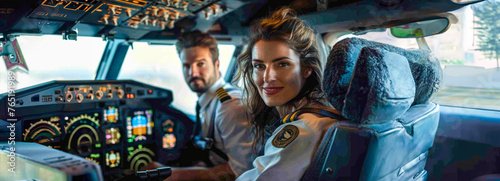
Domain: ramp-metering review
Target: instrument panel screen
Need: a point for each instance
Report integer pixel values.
(139, 125)
(113, 136)
(111, 114)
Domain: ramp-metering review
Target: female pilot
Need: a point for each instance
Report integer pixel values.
(282, 82)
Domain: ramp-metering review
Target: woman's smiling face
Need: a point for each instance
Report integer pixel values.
(277, 72)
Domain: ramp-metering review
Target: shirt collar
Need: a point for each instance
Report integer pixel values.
(208, 95)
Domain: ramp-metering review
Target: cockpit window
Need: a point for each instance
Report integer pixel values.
(471, 77)
(50, 57)
(159, 65)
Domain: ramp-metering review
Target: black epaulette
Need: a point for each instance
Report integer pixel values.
(222, 95)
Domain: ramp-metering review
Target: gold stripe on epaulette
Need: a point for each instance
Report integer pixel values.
(293, 116)
(285, 119)
(222, 94)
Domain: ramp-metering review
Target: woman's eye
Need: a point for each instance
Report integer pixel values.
(257, 66)
(283, 64)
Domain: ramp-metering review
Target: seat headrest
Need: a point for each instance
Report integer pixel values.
(381, 88)
(425, 68)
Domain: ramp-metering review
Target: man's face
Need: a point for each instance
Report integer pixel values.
(199, 70)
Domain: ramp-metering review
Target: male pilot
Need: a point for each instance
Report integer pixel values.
(221, 114)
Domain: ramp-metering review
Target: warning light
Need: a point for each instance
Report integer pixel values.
(150, 91)
(131, 96)
(84, 90)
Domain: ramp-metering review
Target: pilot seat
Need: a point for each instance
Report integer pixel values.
(383, 93)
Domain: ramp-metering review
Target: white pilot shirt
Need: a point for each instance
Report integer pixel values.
(232, 130)
(291, 161)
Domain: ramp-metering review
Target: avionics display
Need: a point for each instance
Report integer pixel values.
(111, 114)
(139, 156)
(83, 133)
(139, 125)
(113, 136)
(43, 131)
(169, 141)
(113, 159)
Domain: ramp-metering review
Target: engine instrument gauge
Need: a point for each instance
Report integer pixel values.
(139, 156)
(42, 131)
(83, 133)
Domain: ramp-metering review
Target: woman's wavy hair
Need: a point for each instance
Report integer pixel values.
(282, 25)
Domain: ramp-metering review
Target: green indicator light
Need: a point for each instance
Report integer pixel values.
(98, 145)
(140, 146)
(130, 140)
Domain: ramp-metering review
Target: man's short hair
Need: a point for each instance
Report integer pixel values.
(197, 38)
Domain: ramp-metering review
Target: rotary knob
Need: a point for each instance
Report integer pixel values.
(79, 97)
(99, 94)
(69, 97)
(120, 93)
(90, 96)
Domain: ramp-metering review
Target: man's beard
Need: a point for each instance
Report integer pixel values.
(198, 89)
(207, 84)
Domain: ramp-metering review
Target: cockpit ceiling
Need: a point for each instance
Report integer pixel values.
(164, 19)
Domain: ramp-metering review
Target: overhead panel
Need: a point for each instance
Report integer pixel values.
(151, 15)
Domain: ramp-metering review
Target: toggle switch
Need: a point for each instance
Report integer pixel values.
(155, 11)
(166, 15)
(214, 9)
(105, 19)
(145, 19)
(115, 21)
(128, 12)
(170, 24)
(162, 24)
(112, 9)
(177, 14)
(207, 14)
(185, 5)
(176, 3)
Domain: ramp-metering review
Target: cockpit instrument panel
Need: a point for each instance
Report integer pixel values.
(119, 125)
